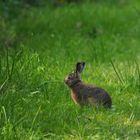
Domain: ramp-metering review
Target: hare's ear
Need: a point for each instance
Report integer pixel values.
(80, 66)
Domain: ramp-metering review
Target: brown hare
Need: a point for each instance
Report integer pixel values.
(83, 94)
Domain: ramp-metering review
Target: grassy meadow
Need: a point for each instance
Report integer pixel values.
(39, 46)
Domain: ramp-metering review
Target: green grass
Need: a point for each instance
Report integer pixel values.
(34, 102)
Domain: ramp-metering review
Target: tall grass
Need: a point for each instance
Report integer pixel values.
(35, 103)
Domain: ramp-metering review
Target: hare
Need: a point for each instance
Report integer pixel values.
(83, 94)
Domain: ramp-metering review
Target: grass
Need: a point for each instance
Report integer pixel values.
(34, 102)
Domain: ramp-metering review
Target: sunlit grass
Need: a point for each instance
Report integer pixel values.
(35, 103)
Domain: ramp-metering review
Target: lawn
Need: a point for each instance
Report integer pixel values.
(47, 42)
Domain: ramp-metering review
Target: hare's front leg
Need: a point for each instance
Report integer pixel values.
(75, 97)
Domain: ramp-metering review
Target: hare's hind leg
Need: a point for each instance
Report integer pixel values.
(92, 101)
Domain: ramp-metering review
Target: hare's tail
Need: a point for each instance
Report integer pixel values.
(107, 104)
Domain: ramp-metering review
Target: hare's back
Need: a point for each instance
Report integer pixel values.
(98, 95)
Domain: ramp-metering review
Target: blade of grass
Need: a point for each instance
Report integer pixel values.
(3, 84)
(118, 75)
(7, 62)
(12, 68)
(19, 121)
(32, 125)
(5, 115)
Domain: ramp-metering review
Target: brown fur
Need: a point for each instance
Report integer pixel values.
(83, 94)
